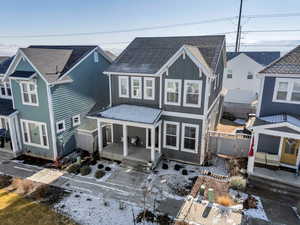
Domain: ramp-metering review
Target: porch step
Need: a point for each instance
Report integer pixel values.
(6, 155)
(262, 183)
(138, 165)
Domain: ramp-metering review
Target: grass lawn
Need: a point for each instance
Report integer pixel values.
(16, 210)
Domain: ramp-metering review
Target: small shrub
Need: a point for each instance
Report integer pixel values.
(85, 170)
(238, 183)
(22, 186)
(107, 169)
(100, 166)
(5, 181)
(184, 172)
(165, 166)
(225, 200)
(73, 168)
(250, 203)
(99, 174)
(178, 167)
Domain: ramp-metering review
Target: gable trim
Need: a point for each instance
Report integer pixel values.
(276, 125)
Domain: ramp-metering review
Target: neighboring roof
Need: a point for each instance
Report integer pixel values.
(281, 118)
(287, 64)
(5, 64)
(148, 54)
(263, 58)
(111, 55)
(2, 58)
(22, 74)
(6, 107)
(132, 113)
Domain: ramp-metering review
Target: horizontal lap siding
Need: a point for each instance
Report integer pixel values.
(89, 87)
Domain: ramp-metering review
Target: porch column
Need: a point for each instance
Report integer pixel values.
(152, 144)
(100, 136)
(159, 138)
(125, 141)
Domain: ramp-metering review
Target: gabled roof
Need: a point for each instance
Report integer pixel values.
(287, 64)
(262, 58)
(148, 54)
(5, 64)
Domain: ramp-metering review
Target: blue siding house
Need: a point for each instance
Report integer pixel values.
(165, 95)
(53, 88)
(276, 130)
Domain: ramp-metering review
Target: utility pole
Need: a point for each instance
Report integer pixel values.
(238, 35)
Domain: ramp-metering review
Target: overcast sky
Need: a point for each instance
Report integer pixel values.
(42, 17)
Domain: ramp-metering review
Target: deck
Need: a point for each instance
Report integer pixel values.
(114, 151)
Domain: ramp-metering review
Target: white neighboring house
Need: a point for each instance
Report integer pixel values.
(241, 81)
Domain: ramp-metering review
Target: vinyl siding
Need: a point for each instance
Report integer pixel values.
(268, 107)
(89, 87)
(35, 113)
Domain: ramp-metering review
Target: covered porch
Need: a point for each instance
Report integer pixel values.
(130, 133)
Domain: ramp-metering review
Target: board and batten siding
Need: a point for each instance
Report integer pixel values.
(268, 107)
(89, 87)
(38, 113)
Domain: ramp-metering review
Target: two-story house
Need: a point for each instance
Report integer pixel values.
(165, 96)
(53, 88)
(276, 129)
(241, 80)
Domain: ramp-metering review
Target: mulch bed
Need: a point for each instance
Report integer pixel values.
(5, 181)
(29, 160)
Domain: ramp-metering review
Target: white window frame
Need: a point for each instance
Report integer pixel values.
(146, 88)
(139, 79)
(74, 124)
(250, 74)
(57, 126)
(229, 71)
(179, 91)
(177, 135)
(40, 124)
(183, 126)
(127, 86)
(6, 86)
(199, 82)
(289, 91)
(29, 93)
(96, 57)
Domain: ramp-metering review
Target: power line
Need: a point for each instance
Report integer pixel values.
(258, 16)
(238, 34)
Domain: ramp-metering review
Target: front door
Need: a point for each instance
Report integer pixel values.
(290, 149)
(156, 137)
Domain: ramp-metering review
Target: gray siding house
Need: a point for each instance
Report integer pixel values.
(165, 96)
(53, 88)
(276, 137)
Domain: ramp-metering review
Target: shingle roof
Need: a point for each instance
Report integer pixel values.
(2, 58)
(263, 58)
(6, 107)
(5, 64)
(149, 54)
(288, 64)
(295, 120)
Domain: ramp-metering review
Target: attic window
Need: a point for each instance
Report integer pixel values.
(250, 76)
(96, 57)
(229, 74)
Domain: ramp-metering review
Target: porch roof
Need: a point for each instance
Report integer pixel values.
(281, 118)
(132, 113)
(6, 107)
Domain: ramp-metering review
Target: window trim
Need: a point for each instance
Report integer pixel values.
(127, 86)
(139, 79)
(5, 85)
(177, 135)
(57, 126)
(289, 90)
(40, 124)
(183, 126)
(199, 82)
(79, 120)
(36, 93)
(250, 74)
(179, 91)
(152, 79)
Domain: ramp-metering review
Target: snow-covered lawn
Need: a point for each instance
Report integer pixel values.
(90, 210)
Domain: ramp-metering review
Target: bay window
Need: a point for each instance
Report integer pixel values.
(34, 133)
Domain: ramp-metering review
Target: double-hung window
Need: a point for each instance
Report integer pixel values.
(287, 90)
(172, 92)
(149, 88)
(34, 133)
(192, 93)
(29, 93)
(171, 135)
(5, 90)
(123, 87)
(136, 87)
(190, 135)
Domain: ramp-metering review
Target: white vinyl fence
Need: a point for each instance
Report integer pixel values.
(229, 144)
